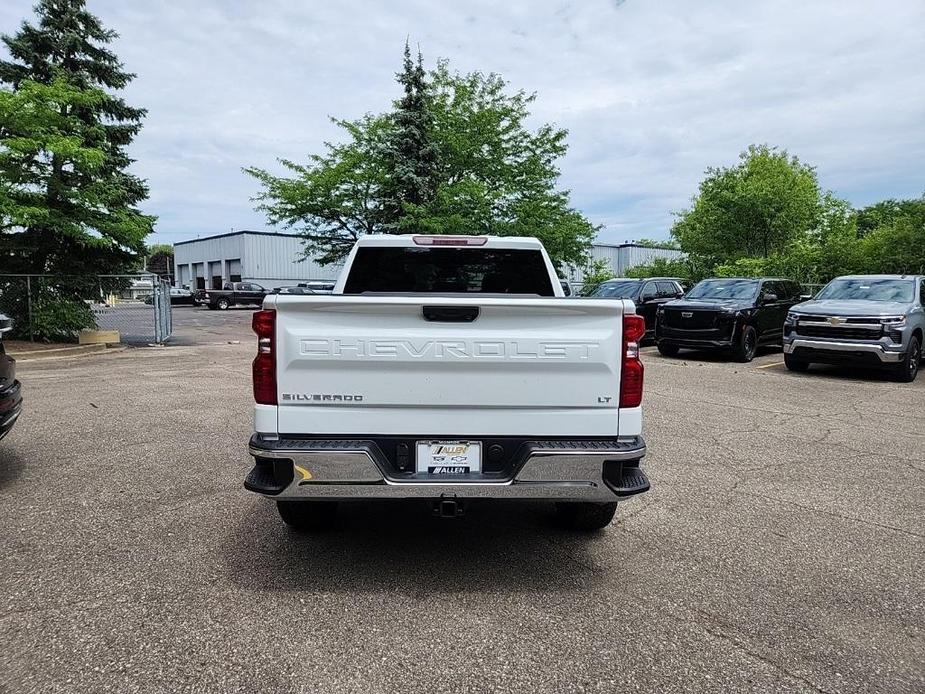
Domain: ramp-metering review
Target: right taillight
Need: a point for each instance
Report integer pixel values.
(631, 373)
(264, 368)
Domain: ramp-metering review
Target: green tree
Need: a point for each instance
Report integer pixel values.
(756, 208)
(687, 268)
(596, 272)
(494, 176)
(887, 212)
(334, 199)
(159, 259)
(68, 203)
(895, 242)
(410, 155)
(669, 244)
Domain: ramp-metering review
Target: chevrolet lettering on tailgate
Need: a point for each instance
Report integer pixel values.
(446, 349)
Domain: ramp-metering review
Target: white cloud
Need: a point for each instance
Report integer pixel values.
(651, 92)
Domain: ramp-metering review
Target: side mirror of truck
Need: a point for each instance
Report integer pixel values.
(768, 298)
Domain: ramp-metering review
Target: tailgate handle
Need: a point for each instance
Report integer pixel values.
(451, 314)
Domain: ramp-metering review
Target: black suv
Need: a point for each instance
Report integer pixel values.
(648, 294)
(735, 313)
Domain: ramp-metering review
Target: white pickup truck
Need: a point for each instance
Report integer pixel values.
(448, 369)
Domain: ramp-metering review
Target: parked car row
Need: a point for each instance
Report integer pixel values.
(252, 294)
(863, 319)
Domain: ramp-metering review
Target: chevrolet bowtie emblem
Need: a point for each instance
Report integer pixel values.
(837, 320)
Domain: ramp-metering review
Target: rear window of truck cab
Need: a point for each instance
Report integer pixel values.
(387, 269)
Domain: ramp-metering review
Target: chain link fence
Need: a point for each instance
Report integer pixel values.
(56, 307)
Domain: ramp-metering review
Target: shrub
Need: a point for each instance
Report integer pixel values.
(58, 318)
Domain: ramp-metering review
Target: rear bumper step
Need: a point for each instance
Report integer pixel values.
(600, 470)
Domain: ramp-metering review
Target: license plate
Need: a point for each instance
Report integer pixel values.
(449, 457)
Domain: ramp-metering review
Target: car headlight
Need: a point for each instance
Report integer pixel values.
(894, 322)
(791, 317)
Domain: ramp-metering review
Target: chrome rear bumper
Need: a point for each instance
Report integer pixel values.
(599, 471)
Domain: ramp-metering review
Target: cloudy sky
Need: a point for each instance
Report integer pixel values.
(652, 92)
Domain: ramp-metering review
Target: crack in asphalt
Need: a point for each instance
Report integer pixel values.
(737, 642)
(863, 521)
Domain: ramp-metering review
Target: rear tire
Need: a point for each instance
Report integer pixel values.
(304, 516)
(794, 364)
(908, 368)
(747, 345)
(585, 516)
(668, 350)
(222, 304)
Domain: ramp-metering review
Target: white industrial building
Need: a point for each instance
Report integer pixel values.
(276, 260)
(268, 259)
(621, 257)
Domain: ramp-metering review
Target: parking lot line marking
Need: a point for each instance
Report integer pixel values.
(768, 366)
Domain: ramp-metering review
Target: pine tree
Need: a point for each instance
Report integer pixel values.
(60, 213)
(410, 154)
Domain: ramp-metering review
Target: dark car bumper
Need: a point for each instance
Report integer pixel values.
(712, 338)
(10, 407)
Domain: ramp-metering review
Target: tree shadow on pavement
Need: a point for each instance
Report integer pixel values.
(400, 545)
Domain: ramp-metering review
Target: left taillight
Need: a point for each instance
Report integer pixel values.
(264, 367)
(632, 371)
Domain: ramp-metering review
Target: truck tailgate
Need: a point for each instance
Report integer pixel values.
(365, 365)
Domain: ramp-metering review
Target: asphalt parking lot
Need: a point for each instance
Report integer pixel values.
(780, 549)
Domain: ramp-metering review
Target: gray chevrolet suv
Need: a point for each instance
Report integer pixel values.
(873, 320)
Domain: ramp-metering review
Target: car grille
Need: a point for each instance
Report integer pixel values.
(835, 333)
(698, 320)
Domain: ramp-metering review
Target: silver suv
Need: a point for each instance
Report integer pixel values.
(874, 320)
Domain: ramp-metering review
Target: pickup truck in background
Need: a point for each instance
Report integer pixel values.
(231, 294)
(447, 369)
(866, 320)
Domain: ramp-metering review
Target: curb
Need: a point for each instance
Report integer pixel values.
(64, 353)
